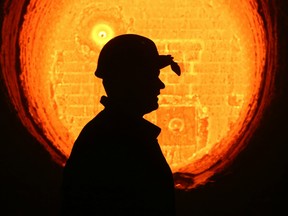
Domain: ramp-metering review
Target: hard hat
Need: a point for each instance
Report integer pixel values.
(126, 53)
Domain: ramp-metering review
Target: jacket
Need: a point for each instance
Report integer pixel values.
(116, 167)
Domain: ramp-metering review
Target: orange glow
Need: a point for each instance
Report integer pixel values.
(221, 47)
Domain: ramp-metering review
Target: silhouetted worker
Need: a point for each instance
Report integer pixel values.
(116, 166)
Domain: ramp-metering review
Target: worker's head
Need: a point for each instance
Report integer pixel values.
(130, 65)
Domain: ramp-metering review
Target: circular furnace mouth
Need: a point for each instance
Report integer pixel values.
(206, 115)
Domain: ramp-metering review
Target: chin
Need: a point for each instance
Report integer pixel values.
(151, 108)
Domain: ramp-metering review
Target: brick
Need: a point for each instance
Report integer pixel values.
(178, 122)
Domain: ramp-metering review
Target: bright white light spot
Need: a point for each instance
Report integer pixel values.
(101, 34)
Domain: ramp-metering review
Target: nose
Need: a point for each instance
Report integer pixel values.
(161, 84)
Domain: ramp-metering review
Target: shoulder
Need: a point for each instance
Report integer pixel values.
(96, 126)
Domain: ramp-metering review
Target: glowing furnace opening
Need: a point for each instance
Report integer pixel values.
(221, 48)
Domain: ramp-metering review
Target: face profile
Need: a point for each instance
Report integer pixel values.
(116, 166)
(142, 93)
(148, 92)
